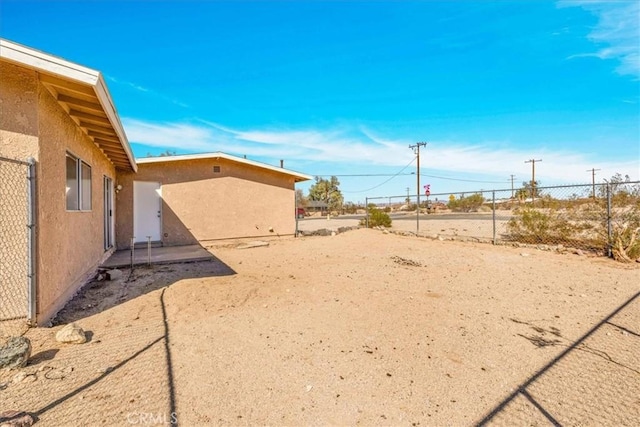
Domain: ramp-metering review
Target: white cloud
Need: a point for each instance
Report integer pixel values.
(617, 32)
(169, 135)
(146, 90)
(344, 148)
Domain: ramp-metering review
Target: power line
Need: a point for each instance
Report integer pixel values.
(368, 174)
(380, 185)
(412, 173)
(464, 180)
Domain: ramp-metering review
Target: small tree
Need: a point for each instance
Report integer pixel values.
(301, 200)
(527, 191)
(165, 153)
(328, 191)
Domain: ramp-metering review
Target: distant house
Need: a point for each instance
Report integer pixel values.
(181, 200)
(90, 195)
(317, 206)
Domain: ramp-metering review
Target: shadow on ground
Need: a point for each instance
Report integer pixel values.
(100, 295)
(124, 374)
(601, 366)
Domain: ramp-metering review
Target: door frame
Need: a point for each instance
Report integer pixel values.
(109, 225)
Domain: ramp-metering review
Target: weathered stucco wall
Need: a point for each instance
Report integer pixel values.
(70, 243)
(19, 141)
(200, 204)
(18, 112)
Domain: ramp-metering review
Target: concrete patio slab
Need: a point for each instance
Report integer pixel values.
(162, 255)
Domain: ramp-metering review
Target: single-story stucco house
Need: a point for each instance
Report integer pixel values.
(182, 200)
(79, 193)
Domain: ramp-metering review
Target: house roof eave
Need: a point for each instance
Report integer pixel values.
(298, 177)
(81, 93)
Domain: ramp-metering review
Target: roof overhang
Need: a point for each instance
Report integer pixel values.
(297, 176)
(83, 94)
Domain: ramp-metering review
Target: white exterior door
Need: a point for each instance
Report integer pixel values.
(147, 202)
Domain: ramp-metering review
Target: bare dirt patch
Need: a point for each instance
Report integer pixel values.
(360, 328)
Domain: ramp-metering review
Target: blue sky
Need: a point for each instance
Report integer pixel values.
(343, 88)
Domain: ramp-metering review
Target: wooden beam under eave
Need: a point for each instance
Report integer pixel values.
(90, 117)
(115, 159)
(112, 149)
(96, 132)
(104, 129)
(103, 137)
(76, 102)
(124, 162)
(114, 153)
(73, 87)
(109, 144)
(117, 154)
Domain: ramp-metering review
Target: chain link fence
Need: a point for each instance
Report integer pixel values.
(599, 218)
(16, 248)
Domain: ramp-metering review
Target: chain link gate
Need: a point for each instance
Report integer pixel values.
(17, 246)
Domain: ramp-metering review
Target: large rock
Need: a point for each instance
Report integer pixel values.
(15, 419)
(15, 353)
(71, 334)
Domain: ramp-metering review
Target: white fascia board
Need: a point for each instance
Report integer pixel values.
(49, 64)
(44, 62)
(110, 110)
(220, 155)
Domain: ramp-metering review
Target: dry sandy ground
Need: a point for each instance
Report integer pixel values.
(361, 328)
(429, 225)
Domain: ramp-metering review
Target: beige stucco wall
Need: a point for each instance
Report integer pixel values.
(70, 243)
(200, 205)
(18, 112)
(18, 140)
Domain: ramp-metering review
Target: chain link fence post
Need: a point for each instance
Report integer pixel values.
(366, 209)
(493, 218)
(31, 197)
(609, 228)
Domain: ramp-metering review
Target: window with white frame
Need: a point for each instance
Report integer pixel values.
(78, 184)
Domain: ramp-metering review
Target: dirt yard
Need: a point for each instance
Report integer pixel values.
(441, 224)
(360, 328)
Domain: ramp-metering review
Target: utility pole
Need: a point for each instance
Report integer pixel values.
(593, 181)
(416, 150)
(533, 177)
(513, 177)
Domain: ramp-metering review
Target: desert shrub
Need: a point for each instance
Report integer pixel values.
(466, 204)
(350, 208)
(377, 218)
(536, 226)
(625, 227)
(625, 243)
